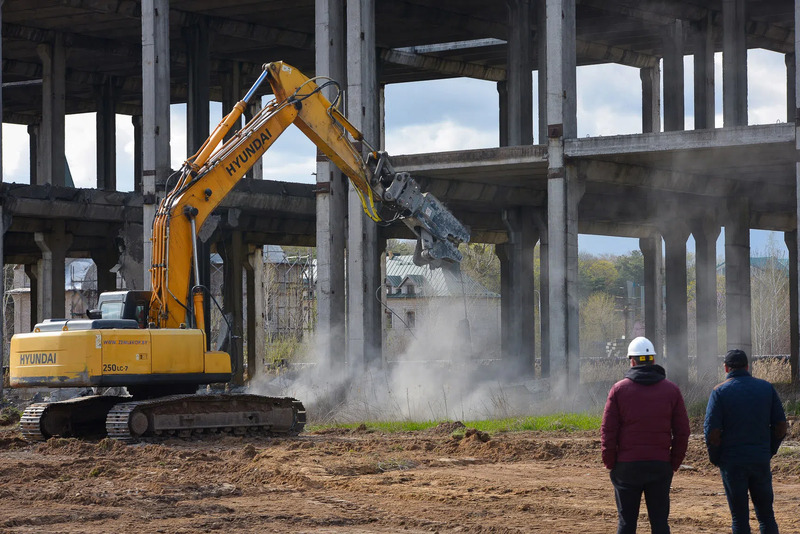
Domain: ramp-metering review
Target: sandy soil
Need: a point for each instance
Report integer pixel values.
(348, 481)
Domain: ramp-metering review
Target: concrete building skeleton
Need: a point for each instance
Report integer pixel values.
(136, 57)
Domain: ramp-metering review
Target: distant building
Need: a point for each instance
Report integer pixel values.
(421, 299)
(80, 292)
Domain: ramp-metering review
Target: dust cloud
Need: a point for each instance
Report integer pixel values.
(447, 369)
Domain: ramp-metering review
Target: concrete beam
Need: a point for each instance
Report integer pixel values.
(649, 179)
(510, 159)
(447, 67)
(671, 141)
(223, 27)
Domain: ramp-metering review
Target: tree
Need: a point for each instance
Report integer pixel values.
(769, 286)
(600, 323)
(481, 264)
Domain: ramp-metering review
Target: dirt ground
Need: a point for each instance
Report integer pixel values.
(349, 481)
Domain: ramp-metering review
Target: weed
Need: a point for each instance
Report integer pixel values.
(9, 415)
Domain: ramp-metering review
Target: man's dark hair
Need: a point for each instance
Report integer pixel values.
(736, 359)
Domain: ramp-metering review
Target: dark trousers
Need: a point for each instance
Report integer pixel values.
(757, 479)
(630, 480)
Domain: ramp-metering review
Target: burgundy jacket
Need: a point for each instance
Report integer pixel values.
(644, 419)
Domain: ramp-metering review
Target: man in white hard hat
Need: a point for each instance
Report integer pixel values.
(645, 433)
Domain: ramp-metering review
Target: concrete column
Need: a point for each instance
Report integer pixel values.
(231, 94)
(2, 179)
(363, 256)
(541, 79)
(518, 295)
(51, 159)
(51, 270)
(544, 293)
(704, 112)
(673, 77)
(502, 104)
(737, 276)
(155, 115)
(137, 153)
(519, 73)
(651, 99)
(332, 198)
(791, 87)
(794, 317)
(196, 37)
(561, 68)
(734, 63)
(677, 335)
(256, 306)
(32, 271)
(233, 256)
(33, 147)
(256, 172)
(106, 133)
(705, 233)
(653, 256)
(794, 255)
(197, 113)
(563, 195)
(105, 260)
(3, 227)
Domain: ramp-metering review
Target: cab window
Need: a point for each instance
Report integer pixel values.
(111, 310)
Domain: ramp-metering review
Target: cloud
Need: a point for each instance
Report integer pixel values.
(16, 153)
(766, 87)
(609, 100)
(440, 136)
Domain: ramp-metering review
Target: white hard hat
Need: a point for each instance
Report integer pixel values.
(641, 346)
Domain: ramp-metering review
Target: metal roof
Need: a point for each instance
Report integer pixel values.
(442, 282)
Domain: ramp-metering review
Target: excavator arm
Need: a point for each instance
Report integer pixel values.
(210, 174)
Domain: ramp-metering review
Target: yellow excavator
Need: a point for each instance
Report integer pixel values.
(153, 342)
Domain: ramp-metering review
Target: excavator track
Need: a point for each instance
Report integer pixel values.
(184, 415)
(78, 417)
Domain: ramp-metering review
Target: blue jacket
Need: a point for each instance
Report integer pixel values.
(745, 409)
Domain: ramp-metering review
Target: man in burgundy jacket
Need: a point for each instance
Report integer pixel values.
(645, 433)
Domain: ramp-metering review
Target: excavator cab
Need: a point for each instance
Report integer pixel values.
(130, 304)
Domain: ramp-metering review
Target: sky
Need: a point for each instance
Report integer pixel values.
(435, 116)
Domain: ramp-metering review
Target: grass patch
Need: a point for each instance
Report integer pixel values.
(570, 422)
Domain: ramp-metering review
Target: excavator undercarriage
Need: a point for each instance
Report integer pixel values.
(126, 419)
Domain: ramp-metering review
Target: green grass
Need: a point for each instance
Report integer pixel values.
(571, 422)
